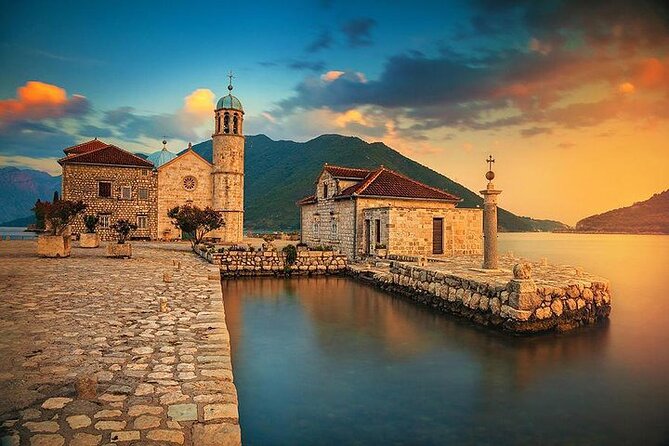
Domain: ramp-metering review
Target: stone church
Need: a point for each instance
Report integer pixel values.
(117, 184)
(360, 211)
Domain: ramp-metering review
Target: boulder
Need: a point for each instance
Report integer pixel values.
(522, 270)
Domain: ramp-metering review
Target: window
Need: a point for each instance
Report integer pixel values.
(126, 192)
(143, 193)
(145, 172)
(104, 189)
(142, 222)
(334, 227)
(226, 123)
(190, 183)
(218, 124)
(104, 220)
(437, 236)
(377, 223)
(235, 125)
(315, 227)
(325, 190)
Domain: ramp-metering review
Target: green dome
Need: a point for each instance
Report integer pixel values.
(230, 102)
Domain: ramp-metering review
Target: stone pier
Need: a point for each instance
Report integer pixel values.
(100, 351)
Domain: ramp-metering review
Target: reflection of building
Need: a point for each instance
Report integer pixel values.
(360, 210)
(116, 184)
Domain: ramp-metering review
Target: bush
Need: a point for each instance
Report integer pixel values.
(290, 251)
(123, 229)
(195, 221)
(58, 215)
(91, 222)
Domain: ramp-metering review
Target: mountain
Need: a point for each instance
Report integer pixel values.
(650, 216)
(21, 188)
(278, 173)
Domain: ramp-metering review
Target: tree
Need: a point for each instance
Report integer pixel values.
(56, 197)
(40, 213)
(60, 214)
(123, 228)
(91, 222)
(195, 221)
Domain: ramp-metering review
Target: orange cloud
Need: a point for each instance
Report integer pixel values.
(651, 73)
(332, 75)
(626, 88)
(38, 100)
(352, 115)
(200, 103)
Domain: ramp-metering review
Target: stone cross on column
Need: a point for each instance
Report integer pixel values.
(490, 219)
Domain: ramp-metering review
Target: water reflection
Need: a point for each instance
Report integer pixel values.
(332, 361)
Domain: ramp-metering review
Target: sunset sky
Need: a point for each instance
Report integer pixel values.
(570, 97)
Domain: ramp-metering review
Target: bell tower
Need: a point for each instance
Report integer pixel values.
(228, 171)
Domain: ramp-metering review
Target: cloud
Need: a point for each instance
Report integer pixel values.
(296, 64)
(351, 116)
(38, 100)
(200, 102)
(626, 88)
(321, 42)
(49, 165)
(358, 31)
(533, 131)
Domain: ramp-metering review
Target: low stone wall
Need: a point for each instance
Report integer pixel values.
(268, 263)
(518, 306)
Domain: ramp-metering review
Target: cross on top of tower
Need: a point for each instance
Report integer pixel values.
(230, 76)
(490, 162)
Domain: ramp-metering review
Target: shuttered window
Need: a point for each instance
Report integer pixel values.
(437, 236)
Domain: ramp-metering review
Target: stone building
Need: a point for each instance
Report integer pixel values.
(358, 211)
(116, 184)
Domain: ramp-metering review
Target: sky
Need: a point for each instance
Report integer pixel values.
(570, 97)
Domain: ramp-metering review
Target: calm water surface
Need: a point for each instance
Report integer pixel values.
(331, 361)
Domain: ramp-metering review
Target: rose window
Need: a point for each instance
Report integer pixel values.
(190, 183)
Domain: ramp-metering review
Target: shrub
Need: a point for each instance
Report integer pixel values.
(59, 214)
(195, 221)
(123, 229)
(40, 209)
(290, 251)
(91, 222)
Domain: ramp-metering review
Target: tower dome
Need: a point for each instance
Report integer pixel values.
(161, 157)
(229, 101)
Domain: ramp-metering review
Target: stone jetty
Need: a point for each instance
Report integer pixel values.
(100, 351)
(518, 296)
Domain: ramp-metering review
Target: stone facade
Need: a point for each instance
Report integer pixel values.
(176, 189)
(405, 224)
(81, 182)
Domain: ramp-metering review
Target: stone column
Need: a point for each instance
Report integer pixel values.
(490, 224)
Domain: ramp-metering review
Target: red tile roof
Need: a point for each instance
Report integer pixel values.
(383, 182)
(84, 147)
(109, 155)
(346, 172)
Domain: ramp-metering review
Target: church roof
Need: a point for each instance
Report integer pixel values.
(106, 155)
(382, 182)
(84, 147)
(161, 157)
(230, 101)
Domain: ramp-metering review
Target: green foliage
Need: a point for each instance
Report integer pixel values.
(40, 209)
(195, 221)
(60, 214)
(290, 251)
(91, 222)
(288, 169)
(123, 229)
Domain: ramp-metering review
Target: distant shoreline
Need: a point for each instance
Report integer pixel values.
(562, 231)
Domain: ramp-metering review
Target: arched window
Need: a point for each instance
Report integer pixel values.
(226, 123)
(218, 123)
(235, 125)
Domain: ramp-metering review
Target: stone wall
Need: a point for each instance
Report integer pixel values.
(518, 306)
(173, 193)
(228, 185)
(245, 263)
(80, 182)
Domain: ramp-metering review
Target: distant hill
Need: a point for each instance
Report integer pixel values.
(20, 188)
(278, 173)
(649, 217)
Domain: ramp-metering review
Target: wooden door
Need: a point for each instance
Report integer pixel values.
(437, 236)
(368, 236)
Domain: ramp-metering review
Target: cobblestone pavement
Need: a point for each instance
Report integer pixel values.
(89, 358)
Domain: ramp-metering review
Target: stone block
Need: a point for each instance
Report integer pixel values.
(119, 250)
(89, 240)
(53, 246)
(524, 301)
(224, 434)
(519, 315)
(522, 286)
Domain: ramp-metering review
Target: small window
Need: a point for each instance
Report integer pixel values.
(142, 222)
(104, 189)
(145, 172)
(315, 227)
(378, 230)
(218, 124)
(143, 193)
(226, 123)
(235, 125)
(334, 227)
(126, 192)
(104, 220)
(190, 183)
(325, 190)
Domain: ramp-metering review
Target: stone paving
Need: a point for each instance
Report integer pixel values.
(99, 351)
